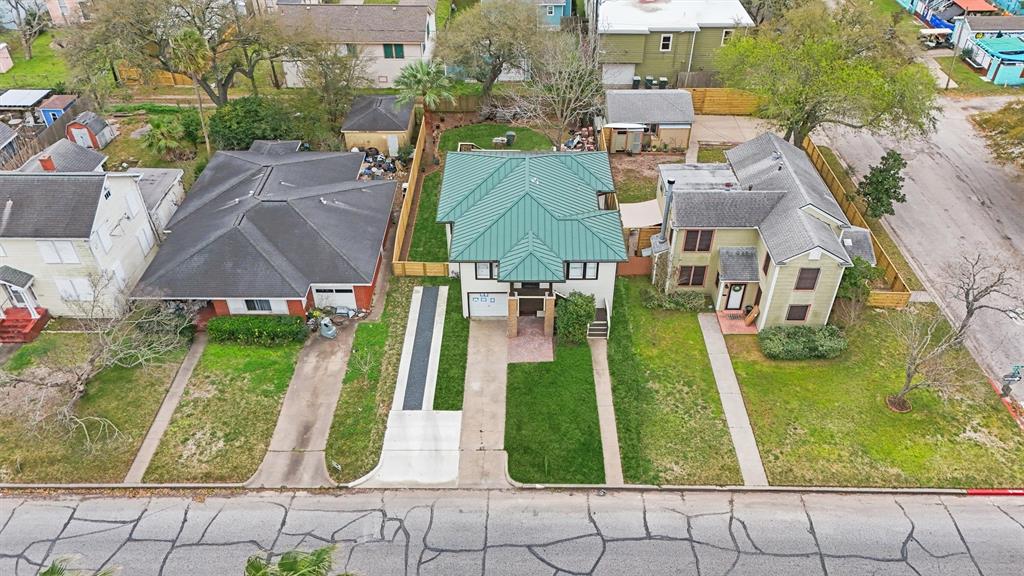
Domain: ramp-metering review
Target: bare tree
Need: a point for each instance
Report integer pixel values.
(564, 88)
(29, 19)
(929, 340)
(119, 332)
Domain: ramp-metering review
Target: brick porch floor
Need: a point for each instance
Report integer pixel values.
(731, 322)
(19, 326)
(531, 345)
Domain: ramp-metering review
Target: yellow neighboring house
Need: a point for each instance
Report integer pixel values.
(380, 122)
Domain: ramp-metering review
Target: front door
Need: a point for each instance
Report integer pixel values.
(81, 137)
(735, 299)
(17, 296)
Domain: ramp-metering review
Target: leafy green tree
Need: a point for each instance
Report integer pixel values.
(235, 125)
(28, 18)
(190, 54)
(427, 80)
(857, 279)
(883, 186)
(330, 82)
(489, 37)
(192, 129)
(166, 138)
(293, 563)
(818, 66)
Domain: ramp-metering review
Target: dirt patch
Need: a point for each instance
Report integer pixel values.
(641, 165)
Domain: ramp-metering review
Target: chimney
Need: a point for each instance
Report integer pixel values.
(659, 242)
(46, 161)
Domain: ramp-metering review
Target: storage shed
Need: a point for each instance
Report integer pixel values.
(90, 130)
(647, 119)
(380, 122)
(55, 106)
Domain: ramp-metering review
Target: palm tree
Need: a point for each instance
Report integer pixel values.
(191, 54)
(293, 563)
(425, 80)
(60, 568)
(164, 138)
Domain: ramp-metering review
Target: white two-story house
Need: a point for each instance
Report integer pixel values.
(71, 241)
(385, 36)
(525, 228)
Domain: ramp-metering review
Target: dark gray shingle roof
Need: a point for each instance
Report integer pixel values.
(48, 205)
(268, 226)
(996, 23)
(356, 23)
(738, 264)
(857, 242)
(67, 157)
(272, 147)
(377, 114)
(649, 106)
(154, 183)
(92, 121)
(15, 277)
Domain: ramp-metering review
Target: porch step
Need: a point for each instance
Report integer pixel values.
(597, 330)
(21, 330)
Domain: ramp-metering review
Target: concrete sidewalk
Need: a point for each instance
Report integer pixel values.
(295, 458)
(606, 412)
(482, 459)
(742, 434)
(167, 408)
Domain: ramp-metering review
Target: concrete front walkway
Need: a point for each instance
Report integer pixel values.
(606, 412)
(743, 440)
(167, 408)
(482, 459)
(295, 458)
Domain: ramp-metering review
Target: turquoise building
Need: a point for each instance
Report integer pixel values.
(1004, 58)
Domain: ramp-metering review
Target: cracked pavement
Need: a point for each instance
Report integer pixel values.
(528, 532)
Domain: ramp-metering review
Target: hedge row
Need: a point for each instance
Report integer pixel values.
(258, 330)
(802, 342)
(685, 300)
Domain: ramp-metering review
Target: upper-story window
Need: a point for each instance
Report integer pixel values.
(726, 36)
(57, 251)
(551, 10)
(666, 42)
(486, 270)
(582, 271)
(807, 279)
(396, 51)
(698, 240)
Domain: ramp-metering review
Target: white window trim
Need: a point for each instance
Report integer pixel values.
(58, 252)
(551, 10)
(661, 43)
(727, 33)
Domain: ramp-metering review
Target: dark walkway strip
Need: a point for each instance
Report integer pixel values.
(416, 383)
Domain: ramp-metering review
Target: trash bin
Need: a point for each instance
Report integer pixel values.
(327, 329)
(649, 82)
(662, 82)
(510, 138)
(636, 82)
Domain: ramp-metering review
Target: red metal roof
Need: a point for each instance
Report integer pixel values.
(975, 5)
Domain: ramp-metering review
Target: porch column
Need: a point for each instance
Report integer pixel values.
(549, 315)
(30, 303)
(512, 321)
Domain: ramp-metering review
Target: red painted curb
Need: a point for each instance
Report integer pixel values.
(995, 492)
(1018, 418)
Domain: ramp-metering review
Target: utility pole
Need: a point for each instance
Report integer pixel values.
(958, 23)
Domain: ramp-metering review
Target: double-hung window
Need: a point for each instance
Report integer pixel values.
(394, 51)
(666, 42)
(486, 270)
(726, 36)
(797, 312)
(692, 275)
(582, 271)
(551, 10)
(257, 305)
(807, 279)
(698, 240)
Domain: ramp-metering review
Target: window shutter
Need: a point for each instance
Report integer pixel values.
(399, 50)
(145, 237)
(105, 240)
(66, 289)
(66, 252)
(48, 252)
(133, 204)
(118, 271)
(389, 51)
(83, 288)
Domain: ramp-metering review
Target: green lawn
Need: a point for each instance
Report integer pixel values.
(634, 186)
(671, 426)
(133, 151)
(711, 155)
(451, 369)
(826, 422)
(221, 429)
(970, 82)
(46, 69)
(552, 433)
(357, 433)
(880, 232)
(429, 241)
(129, 398)
(907, 27)
(1004, 130)
(481, 135)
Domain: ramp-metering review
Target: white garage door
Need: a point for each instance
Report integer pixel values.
(618, 74)
(337, 297)
(488, 304)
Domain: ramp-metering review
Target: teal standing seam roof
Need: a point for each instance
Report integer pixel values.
(531, 212)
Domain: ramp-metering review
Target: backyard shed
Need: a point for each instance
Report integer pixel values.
(55, 106)
(647, 119)
(380, 122)
(90, 130)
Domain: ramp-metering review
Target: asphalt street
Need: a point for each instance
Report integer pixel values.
(960, 201)
(520, 533)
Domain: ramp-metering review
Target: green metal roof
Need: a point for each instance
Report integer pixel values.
(529, 211)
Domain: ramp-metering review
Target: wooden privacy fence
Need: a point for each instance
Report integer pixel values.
(27, 146)
(897, 295)
(401, 267)
(134, 77)
(723, 101)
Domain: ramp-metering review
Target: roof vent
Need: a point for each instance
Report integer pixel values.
(323, 201)
(729, 185)
(847, 242)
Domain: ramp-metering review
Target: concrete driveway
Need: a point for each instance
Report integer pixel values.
(959, 202)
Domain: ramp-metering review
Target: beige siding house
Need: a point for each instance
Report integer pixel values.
(72, 240)
(761, 235)
(671, 42)
(386, 36)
